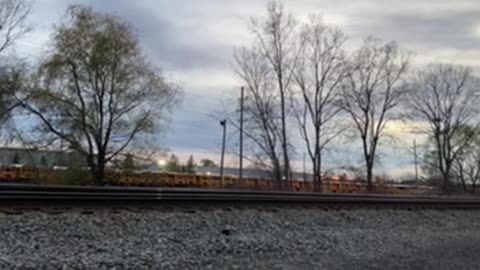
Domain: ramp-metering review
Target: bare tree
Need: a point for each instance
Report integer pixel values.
(13, 16)
(95, 90)
(466, 167)
(372, 93)
(319, 75)
(275, 36)
(445, 97)
(262, 117)
(11, 79)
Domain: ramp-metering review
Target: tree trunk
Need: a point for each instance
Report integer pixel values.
(369, 177)
(286, 162)
(99, 170)
(277, 174)
(464, 185)
(99, 175)
(315, 179)
(317, 173)
(286, 169)
(446, 179)
(461, 176)
(93, 168)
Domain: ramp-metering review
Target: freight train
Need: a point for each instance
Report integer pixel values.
(41, 175)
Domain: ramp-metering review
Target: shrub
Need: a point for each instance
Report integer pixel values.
(77, 176)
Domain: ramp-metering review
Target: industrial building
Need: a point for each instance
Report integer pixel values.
(39, 157)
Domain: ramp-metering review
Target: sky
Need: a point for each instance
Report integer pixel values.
(193, 42)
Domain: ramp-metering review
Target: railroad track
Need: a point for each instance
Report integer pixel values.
(23, 195)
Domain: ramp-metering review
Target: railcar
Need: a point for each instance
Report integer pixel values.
(25, 174)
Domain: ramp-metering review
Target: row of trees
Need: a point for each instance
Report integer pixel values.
(300, 77)
(93, 91)
(173, 164)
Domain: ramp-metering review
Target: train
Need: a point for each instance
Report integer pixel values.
(43, 175)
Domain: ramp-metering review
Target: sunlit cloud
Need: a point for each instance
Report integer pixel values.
(406, 132)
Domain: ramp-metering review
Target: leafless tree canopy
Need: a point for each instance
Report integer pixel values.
(319, 74)
(372, 92)
(275, 38)
(96, 91)
(446, 98)
(262, 116)
(466, 167)
(10, 81)
(308, 64)
(13, 15)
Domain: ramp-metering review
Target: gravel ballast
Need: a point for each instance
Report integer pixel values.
(284, 238)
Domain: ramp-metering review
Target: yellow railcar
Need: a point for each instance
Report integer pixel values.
(21, 174)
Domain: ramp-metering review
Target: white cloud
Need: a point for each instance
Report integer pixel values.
(399, 172)
(470, 57)
(476, 30)
(211, 81)
(406, 132)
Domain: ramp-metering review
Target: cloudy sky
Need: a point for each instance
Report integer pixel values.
(193, 42)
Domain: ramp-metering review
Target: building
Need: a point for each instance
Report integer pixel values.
(37, 157)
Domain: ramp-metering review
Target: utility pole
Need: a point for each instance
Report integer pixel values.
(224, 124)
(242, 90)
(415, 160)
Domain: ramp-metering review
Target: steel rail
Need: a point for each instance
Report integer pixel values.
(13, 194)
